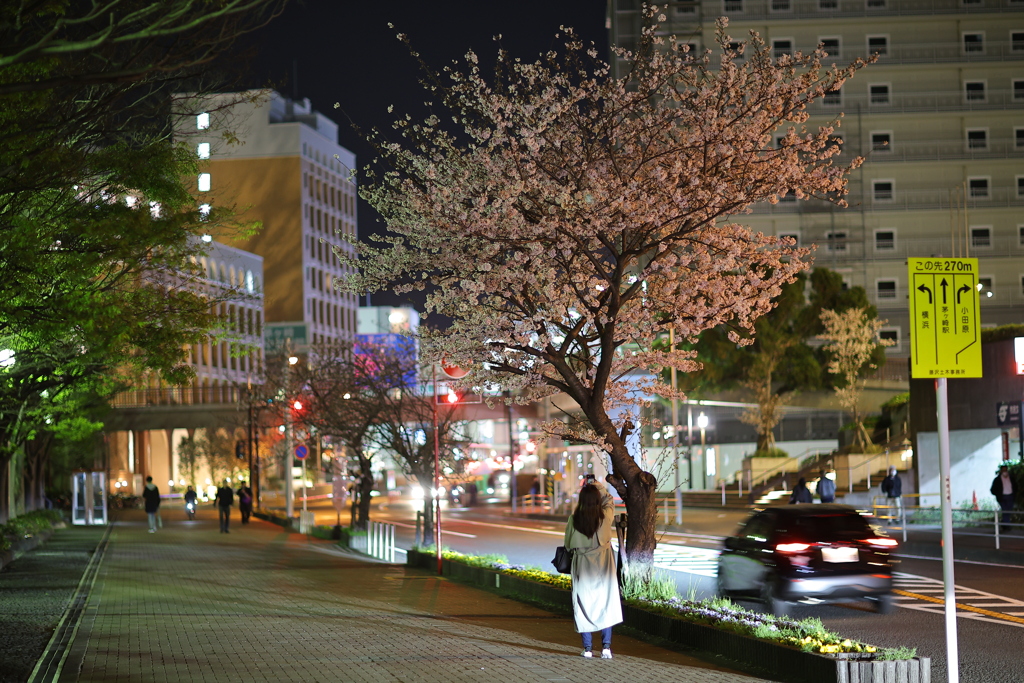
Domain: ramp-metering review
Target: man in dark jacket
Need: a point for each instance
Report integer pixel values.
(151, 496)
(224, 499)
(826, 488)
(892, 487)
(1005, 492)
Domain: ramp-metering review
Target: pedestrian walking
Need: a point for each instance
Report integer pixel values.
(224, 499)
(595, 588)
(892, 487)
(244, 502)
(801, 494)
(826, 488)
(1005, 493)
(151, 496)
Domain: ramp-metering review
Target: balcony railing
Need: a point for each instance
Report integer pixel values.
(903, 102)
(931, 150)
(902, 200)
(760, 10)
(177, 396)
(903, 248)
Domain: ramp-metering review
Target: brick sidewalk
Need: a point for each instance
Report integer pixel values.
(190, 604)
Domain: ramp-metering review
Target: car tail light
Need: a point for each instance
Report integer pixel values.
(882, 542)
(790, 548)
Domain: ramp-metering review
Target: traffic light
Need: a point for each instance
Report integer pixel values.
(447, 396)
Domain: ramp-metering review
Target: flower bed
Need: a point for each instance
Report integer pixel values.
(782, 648)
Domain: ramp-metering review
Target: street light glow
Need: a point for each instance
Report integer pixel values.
(702, 421)
(292, 360)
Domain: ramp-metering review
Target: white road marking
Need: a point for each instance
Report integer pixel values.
(913, 583)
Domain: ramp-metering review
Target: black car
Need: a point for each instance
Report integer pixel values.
(808, 552)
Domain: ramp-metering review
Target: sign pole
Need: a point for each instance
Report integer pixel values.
(952, 654)
(945, 315)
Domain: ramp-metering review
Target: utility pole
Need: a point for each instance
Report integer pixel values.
(289, 442)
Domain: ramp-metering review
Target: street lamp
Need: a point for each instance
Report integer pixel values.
(702, 424)
(289, 489)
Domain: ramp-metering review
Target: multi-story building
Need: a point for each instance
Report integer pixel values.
(279, 162)
(150, 420)
(939, 119)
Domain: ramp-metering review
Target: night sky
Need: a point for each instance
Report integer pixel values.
(345, 53)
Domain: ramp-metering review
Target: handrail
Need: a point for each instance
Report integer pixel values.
(982, 516)
(849, 468)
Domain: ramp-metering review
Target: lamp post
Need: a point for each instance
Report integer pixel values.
(675, 435)
(289, 442)
(702, 424)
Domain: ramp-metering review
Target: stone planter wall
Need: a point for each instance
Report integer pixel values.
(22, 546)
(775, 661)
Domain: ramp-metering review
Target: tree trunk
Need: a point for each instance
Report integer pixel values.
(637, 489)
(364, 487)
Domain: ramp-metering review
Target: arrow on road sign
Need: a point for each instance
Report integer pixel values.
(927, 290)
(960, 291)
(943, 284)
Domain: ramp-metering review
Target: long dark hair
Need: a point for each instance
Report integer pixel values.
(589, 513)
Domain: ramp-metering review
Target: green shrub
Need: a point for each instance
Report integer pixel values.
(658, 587)
(897, 401)
(29, 524)
(770, 453)
(896, 653)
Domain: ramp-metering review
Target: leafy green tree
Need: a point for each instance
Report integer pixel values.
(781, 361)
(98, 225)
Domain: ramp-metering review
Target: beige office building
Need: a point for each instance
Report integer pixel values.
(287, 171)
(939, 119)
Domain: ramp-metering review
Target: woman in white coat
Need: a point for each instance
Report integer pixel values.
(595, 588)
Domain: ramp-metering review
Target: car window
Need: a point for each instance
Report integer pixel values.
(759, 528)
(825, 527)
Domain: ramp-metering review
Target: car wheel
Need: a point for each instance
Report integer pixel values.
(884, 604)
(770, 597)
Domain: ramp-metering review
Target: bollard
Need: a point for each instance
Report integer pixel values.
(997, 530)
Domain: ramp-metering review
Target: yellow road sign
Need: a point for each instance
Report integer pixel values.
(945, 317)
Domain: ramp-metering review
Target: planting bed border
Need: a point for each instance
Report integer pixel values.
(775, 661)
(22, 546)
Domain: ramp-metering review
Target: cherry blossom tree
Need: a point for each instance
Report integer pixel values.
(569, 218)
(853, 339)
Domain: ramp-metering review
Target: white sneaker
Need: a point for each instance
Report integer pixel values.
(152, 531)
(606, 654)
(588, 654)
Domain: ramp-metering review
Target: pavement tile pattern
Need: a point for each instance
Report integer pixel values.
(259, 604)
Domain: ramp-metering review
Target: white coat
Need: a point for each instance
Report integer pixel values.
(595, 588)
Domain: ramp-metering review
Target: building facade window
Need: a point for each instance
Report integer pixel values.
(878, 45)
(782, 46)
(828, 4)
(202, 121)
(1017, 41)
(977, 138)
(981, 237)
(836, 241)
(883, 190)
(974, 43)
(879, 94)
(875, 4)
(890, 334)
(795, 236)
(1018, 89)
(833, 98)
(831, 45)
(203, 150)
(1018, 138)
(733, 6)
(1019, 180)
(978, 188)
(781, 5)
(974, 91)
(885, 290)
(204, 182)
(985, 287)
(885, 239)
(881, 141)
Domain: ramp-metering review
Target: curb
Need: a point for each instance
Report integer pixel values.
(751, 655)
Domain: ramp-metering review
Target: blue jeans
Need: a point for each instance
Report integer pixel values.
(606, 639)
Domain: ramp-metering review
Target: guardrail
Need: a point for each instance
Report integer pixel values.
(966, 521)
(534, 500)
(378, 542)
